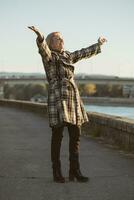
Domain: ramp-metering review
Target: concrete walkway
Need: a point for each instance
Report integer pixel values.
(25, 167)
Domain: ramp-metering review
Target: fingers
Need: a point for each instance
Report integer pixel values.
(102, 40)
(31, 27)
(34, 29)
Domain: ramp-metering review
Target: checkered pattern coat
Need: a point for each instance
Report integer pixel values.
(64, 102)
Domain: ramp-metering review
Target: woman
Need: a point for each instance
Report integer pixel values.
(65, 107)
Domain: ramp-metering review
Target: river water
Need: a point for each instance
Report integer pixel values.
(112, 110)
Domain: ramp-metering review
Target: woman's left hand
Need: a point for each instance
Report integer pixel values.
(102, 40)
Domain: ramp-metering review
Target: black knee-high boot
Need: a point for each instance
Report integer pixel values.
(74, 143)
(55, 154)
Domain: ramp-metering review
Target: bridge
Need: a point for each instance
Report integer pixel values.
(25, 167)
(94, 80)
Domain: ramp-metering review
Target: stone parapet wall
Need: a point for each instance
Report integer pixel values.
(114, 129)
(25, 105)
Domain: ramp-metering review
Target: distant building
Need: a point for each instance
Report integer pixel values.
(128, 91)
(1, 91)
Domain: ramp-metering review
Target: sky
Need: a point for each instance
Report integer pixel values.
(81, 23)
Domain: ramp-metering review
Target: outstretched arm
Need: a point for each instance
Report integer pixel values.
(87, 52)
(42, 45)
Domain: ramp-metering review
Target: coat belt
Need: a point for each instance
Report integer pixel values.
(56, 81)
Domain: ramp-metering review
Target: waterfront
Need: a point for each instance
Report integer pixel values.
(112, 110)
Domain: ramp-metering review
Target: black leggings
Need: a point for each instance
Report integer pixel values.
(74, 142)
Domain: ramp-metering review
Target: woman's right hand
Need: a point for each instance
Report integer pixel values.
(40, 37)
(34, 29)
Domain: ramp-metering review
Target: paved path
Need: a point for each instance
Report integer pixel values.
(25, 167)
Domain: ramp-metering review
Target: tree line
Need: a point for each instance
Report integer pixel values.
(101, 90)
(27, 91)
(24, 91)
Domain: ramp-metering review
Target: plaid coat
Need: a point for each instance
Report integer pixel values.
(64, 102)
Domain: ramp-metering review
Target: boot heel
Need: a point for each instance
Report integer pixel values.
(78, 176)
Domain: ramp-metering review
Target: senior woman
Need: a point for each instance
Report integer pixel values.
(65, 107)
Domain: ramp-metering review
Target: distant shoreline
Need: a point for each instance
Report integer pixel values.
(106, 101)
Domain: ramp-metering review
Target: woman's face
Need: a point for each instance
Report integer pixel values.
(57, 42)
